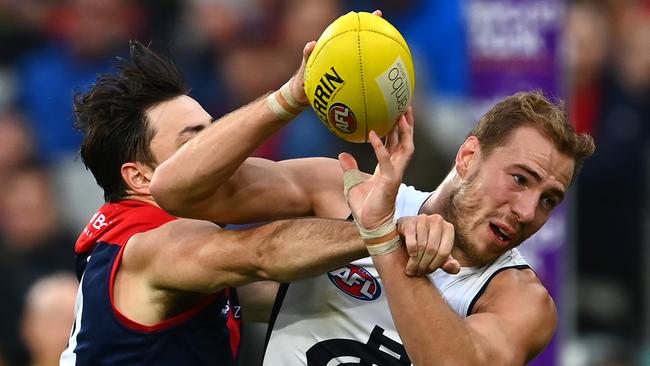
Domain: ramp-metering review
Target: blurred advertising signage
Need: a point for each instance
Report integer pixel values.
(514, 46)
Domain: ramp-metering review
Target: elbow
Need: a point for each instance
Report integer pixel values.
(268, 266)
(164, 195)
(268, 263)
(171, 196)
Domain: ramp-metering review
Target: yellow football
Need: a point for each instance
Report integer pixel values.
(360, 76)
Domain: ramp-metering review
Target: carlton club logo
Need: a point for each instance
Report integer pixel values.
(356, 281)
(342, 118)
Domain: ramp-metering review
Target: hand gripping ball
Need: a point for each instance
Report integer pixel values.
(360, 76)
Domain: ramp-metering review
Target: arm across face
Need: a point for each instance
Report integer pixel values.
(212, 178)
(262, 190)
(200, 178)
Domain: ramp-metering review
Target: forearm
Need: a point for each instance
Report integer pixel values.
(207, 161)
(432, 333)
(293, 249)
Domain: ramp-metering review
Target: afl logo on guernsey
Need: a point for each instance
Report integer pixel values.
(356, 281)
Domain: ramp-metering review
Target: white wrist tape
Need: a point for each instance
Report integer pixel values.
(351, 179)
(382, 230)
(278, 109)
(385, 248)
(285, 90)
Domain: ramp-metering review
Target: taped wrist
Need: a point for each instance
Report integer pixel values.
(283, 104)
(381, 240)
(285, 91)
(384, 238)
(384, 248)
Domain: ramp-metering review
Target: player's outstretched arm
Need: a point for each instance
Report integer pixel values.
(204, 165)
(198, 256)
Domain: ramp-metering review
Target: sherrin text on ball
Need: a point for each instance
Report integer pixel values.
(360, 76)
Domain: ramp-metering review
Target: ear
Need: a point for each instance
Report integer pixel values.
(467, 153)
(137, 177)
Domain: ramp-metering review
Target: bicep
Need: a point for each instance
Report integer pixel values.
(263, 190)
(515, 327)
(194, 256)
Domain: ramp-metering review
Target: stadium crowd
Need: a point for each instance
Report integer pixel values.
(234, 50)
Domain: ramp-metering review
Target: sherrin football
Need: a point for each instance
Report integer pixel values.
(360, 76)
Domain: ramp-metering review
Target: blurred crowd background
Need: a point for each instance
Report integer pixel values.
(231, 52)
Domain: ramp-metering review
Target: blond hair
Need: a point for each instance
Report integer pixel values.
(533, 108)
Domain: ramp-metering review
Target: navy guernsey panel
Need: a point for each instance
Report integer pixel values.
(207, 334)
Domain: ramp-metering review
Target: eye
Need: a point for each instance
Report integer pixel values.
(520, 180)
(549, 203)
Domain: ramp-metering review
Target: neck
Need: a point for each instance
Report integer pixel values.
(140, 197)
(438, 203)
(439, 199)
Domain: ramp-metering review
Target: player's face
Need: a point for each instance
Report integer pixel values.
(508, 195)
(175, 122)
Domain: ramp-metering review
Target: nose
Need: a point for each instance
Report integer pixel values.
(525, 206)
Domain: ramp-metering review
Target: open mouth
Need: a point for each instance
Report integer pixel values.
(499, 233)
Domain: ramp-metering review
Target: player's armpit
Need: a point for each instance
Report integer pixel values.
(258, 299)
(514, 319)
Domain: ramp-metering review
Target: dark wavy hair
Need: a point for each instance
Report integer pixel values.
(111, 115)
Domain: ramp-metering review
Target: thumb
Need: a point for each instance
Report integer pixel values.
(347, 162)
(451, 265)
(307, 50)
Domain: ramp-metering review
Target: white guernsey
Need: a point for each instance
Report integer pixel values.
(343, 318)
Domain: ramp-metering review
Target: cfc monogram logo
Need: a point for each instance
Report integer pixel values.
(380, 350)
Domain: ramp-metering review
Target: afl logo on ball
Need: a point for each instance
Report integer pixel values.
(342, 118)
(356, 281)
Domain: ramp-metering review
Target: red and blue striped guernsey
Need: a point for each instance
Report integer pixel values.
(206, 334)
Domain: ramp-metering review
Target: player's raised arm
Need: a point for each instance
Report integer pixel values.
(211, 178)
(195, 176)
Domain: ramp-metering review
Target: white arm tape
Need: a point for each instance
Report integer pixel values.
(382, 230)
(278, 109)
(352, 178)
(385, 248)
(285, 90)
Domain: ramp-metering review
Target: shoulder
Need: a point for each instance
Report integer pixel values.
(142, 248)
(521, 303)
(516, 286)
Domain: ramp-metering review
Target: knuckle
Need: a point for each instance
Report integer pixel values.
(449, 226)
(436, 218)
(431, 250)
(445, 251)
